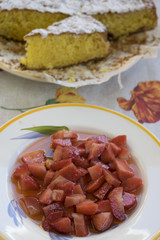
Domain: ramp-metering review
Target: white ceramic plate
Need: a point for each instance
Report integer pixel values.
(143, 223)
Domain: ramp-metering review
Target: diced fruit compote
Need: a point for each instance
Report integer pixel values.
(88, 185)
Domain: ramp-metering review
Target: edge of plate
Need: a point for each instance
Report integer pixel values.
(4, 126)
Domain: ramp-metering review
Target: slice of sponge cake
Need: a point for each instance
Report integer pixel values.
(19, 17)
(122, 17)
(74, 40)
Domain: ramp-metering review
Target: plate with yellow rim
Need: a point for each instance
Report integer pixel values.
(143, 224)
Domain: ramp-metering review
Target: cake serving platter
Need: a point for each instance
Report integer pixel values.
(124, 54)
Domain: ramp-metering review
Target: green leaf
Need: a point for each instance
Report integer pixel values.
(48, 130)
(51, 101)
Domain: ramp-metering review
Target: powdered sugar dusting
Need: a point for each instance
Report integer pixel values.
(78, 24)
(92, 7)
(63, 6)
(73, 6)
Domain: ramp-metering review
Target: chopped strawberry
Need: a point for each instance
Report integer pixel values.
(61, 142)
(87, 207)
(28, 183)
(112, 167)
(94, 162)
(20, 171)
(110, 178)
(46, 196)
(82, 171)
(95, 171)
(53, 216)
(79, 144)
(132, 184)
(77, 189)
(83, 181)
(38, 170)
(62, 225)
(116, 201)
(104, 206)
(129, 200)
(72, 152)
(48, 178)
(57, 180)
(123, 169)
(52, 208)
(100, 139)
(80, 225)
(31, 205)
(74, 199)
(88, 145)
(37, 156)
(102, 221)
(60, 164)
(81, 162)
(70, 172)
(108, 154)
(58, 195)
(67, 212)
(96, 150)
(120, 141)
(48, 163)
(102, 191)
(95, 184)
(63, 134)
(115, 148)
(124, 154)
(58, 153)
(67, 187)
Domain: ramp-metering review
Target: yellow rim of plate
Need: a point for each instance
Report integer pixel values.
(2, 237)
(156, 236)
(78, 105)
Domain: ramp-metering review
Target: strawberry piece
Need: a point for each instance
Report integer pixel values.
(31, 206)
(95, 171)
(94, 162)
(104, 206)
(102, 221)
(110, 178)
(48, 163)
(57, 180)
(20, 171)
(129, 200)
(100, 139)
(108, 154)
(115, 148)
(83, 181)
(79, 144)
(48, 178)
(58, 153)
(61, 142)
(88, 145)
(82, 171)
(50, 219)
(28, 183)
(96, 150)
(74, 199)
(62, 225)
(70, 172)
(102, 191)
(60, 164)
(33, 157)
(112, 167)
(87, 207)
(132, 184)
(116, 201)
(38, 170)
(68, 212)
(81, 162)
(95, 184)
(58, 195)
(52, 208)
(63, 134)
(67, 187)
(123, 169)
(72, 152)
(124, 154)
(77, 189)
(120, 141)
(46, 196)
(80, 225)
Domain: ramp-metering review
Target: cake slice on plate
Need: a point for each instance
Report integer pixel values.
(74, 40)
(122, 17)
